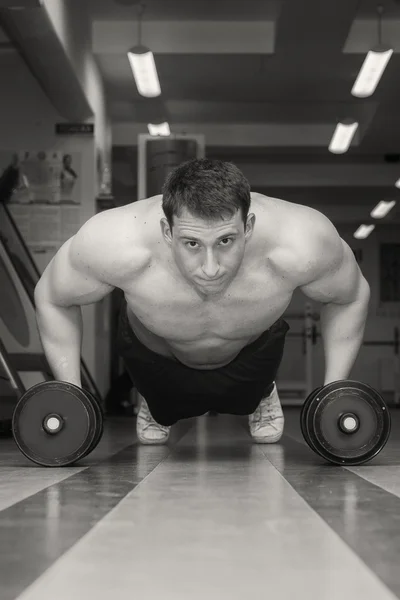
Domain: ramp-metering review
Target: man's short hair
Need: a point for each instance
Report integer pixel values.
(208, 189)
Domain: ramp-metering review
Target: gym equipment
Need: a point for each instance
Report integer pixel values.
(11, 389)
(56, 423)
(310, 336)
(303, 414)
(162, 156)
(16, 251)
(346, 422)
(99, 426)
(157, 157)
(393, 343)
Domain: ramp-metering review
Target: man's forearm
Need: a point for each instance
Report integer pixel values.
(342, 330)
(61, 332)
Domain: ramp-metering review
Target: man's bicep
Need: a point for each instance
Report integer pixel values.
(339, 282)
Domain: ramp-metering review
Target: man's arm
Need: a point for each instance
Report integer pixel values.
(335, 279)
(70, 280)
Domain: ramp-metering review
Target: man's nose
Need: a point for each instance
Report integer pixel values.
(210, 266)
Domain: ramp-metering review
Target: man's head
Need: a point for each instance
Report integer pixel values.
(208, 189)
(206, 204)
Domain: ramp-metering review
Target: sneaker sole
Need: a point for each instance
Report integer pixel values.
(146, 442)
(267, 440)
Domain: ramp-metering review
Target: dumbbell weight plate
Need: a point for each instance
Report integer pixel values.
(304, 413)
(99, 423)
(79, 423)
(321, 423)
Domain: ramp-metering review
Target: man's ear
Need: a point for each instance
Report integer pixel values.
(251, 219)
(166, 231)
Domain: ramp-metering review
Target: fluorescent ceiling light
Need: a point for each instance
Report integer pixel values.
(144, 71)
(397, 184)
(160, 129)
(363, 231)
(342, 137)
(371, 71)
(382, 209)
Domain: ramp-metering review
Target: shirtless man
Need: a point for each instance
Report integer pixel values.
(207, 270)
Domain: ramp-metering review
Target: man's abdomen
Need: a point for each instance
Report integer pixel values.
(206, 352)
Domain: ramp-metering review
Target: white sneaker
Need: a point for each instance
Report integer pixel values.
(147, 429)
(267, 421)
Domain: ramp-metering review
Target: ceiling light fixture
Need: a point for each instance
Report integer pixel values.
(342, 137)
(161, 129)
(382, 209)
(373, 66)
(363, 231)
(143, 65)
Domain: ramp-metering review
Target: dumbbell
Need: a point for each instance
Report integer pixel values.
(56, 423)
(345, 422)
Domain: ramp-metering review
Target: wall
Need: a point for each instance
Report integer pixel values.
(27, 121)
(71, 22)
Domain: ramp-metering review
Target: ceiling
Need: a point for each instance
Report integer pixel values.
(272, 65)
(265, 81)
(263, 78)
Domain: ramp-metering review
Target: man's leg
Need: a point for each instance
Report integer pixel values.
(267, 421)
(147, 428)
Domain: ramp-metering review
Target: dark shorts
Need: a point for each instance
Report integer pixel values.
(174, 391)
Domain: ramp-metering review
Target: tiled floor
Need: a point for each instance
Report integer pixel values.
(209, 516)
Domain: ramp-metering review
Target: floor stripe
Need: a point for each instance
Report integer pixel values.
(56, 518)
(386, 477)
(21, 478)
(364, 515)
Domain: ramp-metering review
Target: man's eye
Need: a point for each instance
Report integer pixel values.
(192, 246)
(226, 240)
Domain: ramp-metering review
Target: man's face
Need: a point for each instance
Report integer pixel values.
(208, 253)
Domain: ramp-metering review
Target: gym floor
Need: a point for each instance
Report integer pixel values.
(211, 515)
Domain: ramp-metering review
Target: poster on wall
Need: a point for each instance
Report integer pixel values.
(46, 195)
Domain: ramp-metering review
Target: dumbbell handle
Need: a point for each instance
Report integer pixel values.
(349, 423)
(53, 423)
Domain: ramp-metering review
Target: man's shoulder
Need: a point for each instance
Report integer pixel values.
(115, 241)
(308, 244)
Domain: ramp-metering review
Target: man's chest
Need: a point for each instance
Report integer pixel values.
(170, 310)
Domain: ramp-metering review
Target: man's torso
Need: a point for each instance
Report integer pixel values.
(170, 318)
